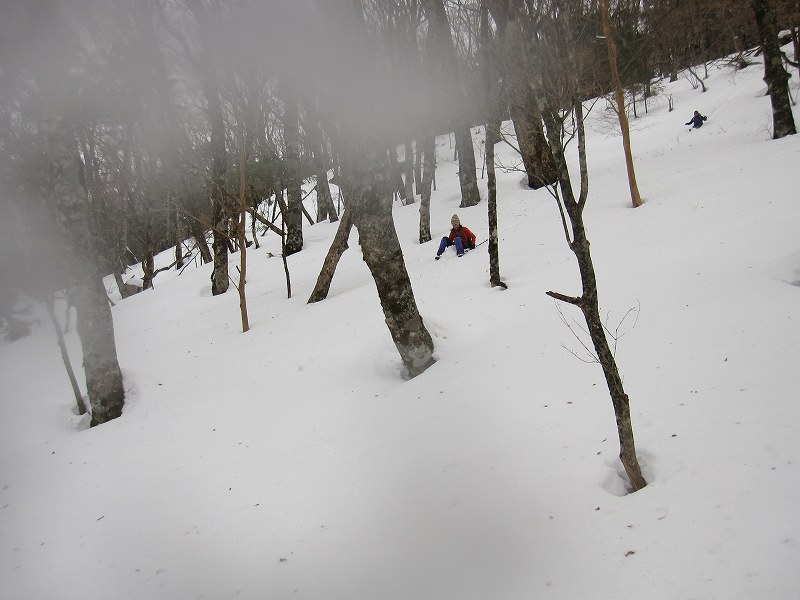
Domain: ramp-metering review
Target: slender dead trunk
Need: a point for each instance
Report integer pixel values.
(280, 203)
(62, 346)
(338, 247)
(242, 237)
(636, 199)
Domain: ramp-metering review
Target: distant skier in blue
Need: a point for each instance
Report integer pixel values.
(697, 120)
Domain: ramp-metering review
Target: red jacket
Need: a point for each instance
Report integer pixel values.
(467, 237)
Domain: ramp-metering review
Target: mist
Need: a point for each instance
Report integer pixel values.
(129, 80)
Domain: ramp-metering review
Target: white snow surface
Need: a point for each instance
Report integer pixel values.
(295, 461)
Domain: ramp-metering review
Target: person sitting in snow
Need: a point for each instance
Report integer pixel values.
(460, 237)
(697, 120)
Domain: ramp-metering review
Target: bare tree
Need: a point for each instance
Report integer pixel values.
(429, 167)
(440, 44)
(636, 199)
(58, 180)
(365, 166)
(293, 217)
(492, 136)
(558, 37)
(525, 112)
(775, 75)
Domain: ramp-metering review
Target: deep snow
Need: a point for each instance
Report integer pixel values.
(311, 469)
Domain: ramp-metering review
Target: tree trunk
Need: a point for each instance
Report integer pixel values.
(62, 346)
(588, 301)
(293, 217)
(94, 322)
(636, 199)
(371, 203)
(467, 173)
(442, 46)
(180, 235)
(220, 279)
(536, 157)
(198, 232)
(492, 136)
(219, 275)
(775, 76)
(242, 227)
(61, 186)
(408, 173)
(429, 167)
(525, 112)
(123, 292)
(338, 246)
(418, 168)
(326, 209)
(148, 269)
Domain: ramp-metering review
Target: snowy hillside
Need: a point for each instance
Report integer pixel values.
(310, 469)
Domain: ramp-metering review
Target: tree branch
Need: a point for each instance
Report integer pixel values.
(577, 301)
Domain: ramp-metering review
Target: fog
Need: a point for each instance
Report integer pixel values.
(130, 80)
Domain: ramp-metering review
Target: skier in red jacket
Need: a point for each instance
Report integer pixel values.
(460, 237)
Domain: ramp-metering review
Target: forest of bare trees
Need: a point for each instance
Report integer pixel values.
(131, 127)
